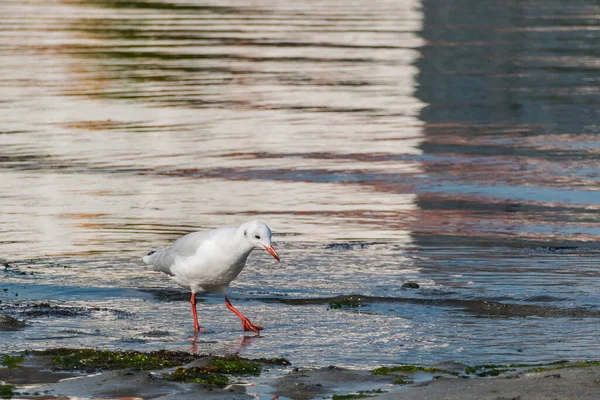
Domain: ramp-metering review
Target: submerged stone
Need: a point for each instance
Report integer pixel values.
(411, 285)
(8, 323)
(348, 246)
(402, 380)
(197, 375)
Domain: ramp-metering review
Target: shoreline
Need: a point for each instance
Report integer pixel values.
(89, 373)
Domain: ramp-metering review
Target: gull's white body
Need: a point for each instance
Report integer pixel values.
(210, 260)
(207, 260)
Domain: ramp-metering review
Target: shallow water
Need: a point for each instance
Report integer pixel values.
(383, 143)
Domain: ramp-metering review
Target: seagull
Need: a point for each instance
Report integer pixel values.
(210, 260)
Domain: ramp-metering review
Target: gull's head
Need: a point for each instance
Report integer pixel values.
(259, 235)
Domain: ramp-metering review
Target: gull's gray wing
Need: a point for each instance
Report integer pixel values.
(186, 246)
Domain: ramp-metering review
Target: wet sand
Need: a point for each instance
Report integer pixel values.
(578, 383)
(562, 380)
(444, 143)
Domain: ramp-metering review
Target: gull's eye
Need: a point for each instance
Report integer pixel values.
(256, 236)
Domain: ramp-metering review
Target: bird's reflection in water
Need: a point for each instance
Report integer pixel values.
(245, 342)
(235, 347)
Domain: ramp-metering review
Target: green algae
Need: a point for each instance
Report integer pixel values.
(202, 375)
(6, 391)
(486, 370)
(66, 359)
(497, 369)
(584, 364)
(236, 366)
(410, 368)
(12, 361)
(351, 301)
(214, 374)
(92, 360)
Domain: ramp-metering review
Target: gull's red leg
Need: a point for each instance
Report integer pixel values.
(246, 324)
(196, 324)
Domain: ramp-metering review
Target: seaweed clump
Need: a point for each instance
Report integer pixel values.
(402, 380)
(93, 360)
(236, 366)
(12, 362)
(215, 373)
(352, 301)
(583, 364)
(197, 375)
(486, 370)
(410, 368)
(6, 391)
(273, 361)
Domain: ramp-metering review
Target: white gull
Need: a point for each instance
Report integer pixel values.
(210, 260)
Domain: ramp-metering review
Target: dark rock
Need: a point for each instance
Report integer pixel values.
(8, 323)
(411, 285)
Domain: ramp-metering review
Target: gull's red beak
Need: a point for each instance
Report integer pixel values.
(272, 252)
